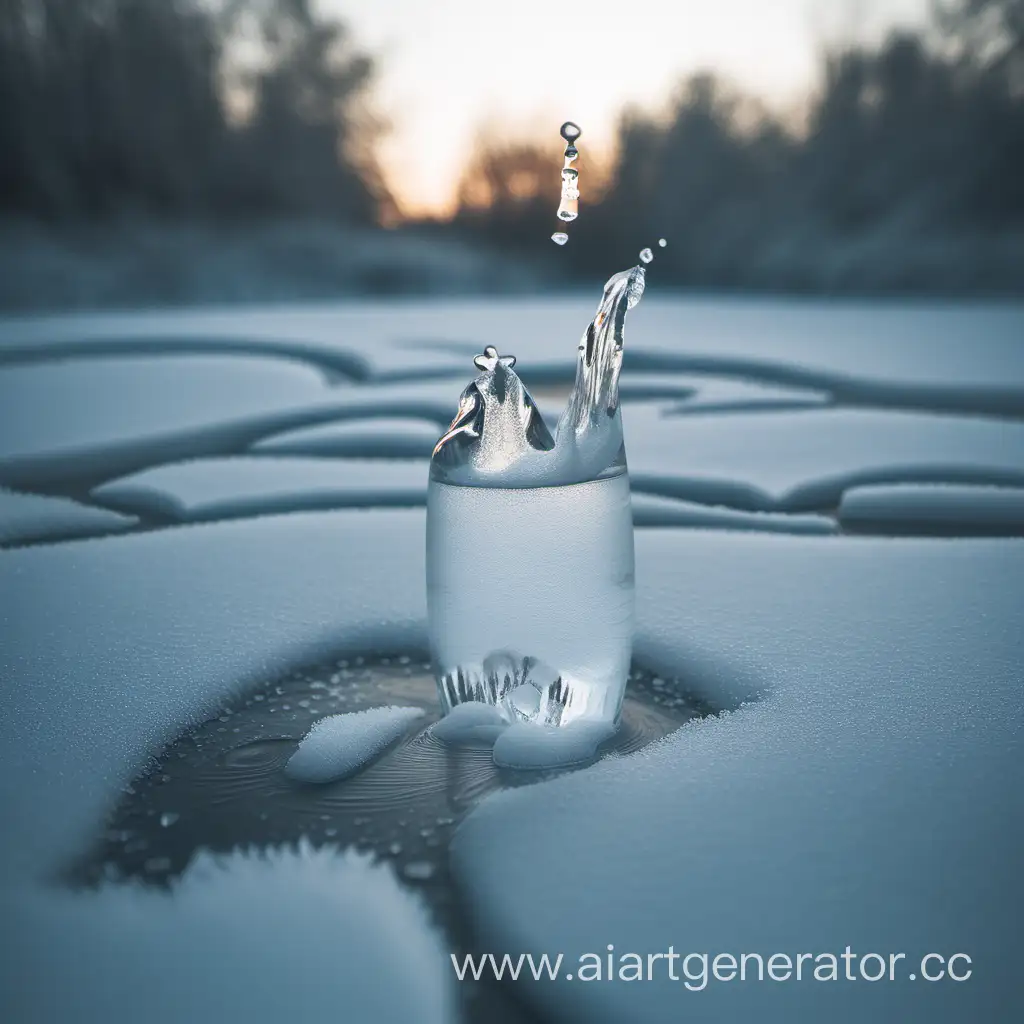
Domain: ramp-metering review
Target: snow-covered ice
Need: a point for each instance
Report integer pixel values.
(35, 517)
(114, 412)
(255, 485)
(120, 644)
(391, 437)
(281, 935)
(938, 507)
(806, 459)
(871, 797)
(340, 745)
(656, 510)
(861, 787)
(966, 355)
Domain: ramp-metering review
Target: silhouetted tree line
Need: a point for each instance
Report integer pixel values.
(172, 107)
(909, 172)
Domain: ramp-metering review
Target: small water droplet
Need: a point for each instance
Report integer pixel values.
(559, 238)
(168, 818)
(570, 131)
(646, 255)
(662, 242)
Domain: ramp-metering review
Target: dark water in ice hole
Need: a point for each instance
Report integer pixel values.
(223, 786)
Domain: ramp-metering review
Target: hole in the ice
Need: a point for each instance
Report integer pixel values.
(223, 784)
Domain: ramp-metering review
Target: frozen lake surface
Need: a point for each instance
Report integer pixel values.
(810, 481)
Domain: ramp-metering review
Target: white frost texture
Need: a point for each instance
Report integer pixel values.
(248, 486)
(867, 795)
(286, 935)
(339, 745)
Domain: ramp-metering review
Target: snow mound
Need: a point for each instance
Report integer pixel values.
(205, 489)
(35, 517)
(388, 437)
(527, 745)
(117, 413)
(288, 934)
(655, 510)
(340, 745)
(101, 685)
(934, 507)
(797, 461)
(471, 723)
(877, 766)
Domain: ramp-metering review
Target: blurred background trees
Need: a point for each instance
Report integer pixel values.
(905, 172)
(170, 107)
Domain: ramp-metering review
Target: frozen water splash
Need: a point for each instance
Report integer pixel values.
(517, 521)
(498, 437)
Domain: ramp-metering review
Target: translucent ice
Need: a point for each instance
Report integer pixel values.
(530, 539)
(340, 745)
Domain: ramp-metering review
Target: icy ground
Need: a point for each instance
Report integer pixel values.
(807, 480)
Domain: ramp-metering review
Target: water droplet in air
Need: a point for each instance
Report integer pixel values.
(662, 242)
(559, 238)
(570, 131)
(646, 255)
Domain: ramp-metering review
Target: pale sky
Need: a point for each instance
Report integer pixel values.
(448, 67)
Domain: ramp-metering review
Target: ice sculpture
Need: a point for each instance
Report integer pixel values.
(530, 538)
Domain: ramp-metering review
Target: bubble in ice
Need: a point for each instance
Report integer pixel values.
(646, 255)
(559, 238)
(519, 516)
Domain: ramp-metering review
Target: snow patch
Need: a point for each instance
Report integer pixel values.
(655, 510)
(340, 745)
(796, 461)
(936, 507)
(471, 723)
(877, 767)
(118, 646)
(286, 934)
(118, 412)
(206, 489)
(387, 437)
(35, 517)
